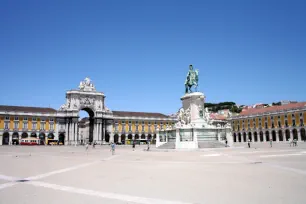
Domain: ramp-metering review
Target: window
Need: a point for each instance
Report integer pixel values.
(25, 118)
(279, 117)
(271, 117)
(155, 123)
(136, 122)
(34, 126)
(238, 127)
(266, 125)
(51, 126)
(293, 115)
(25, 125)
(16, 125)
(143, 122)
(301, 122)
(279, 124)
(137, 126)
(6, 125)
(285, 116)
(42, 126)
(293, 123)
(130, 127)
(34, 119)
(7, 118)
(16, 118)
(130, 122)
(273, 125)
(51, 119)
(43, 120)
(301, 114)
(142, 127)
(286, 123)
(259, 119)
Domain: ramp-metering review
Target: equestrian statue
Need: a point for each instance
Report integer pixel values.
(191, 80)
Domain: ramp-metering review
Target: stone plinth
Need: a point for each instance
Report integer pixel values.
(194, 103)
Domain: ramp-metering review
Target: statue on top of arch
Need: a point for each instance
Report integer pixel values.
(87, 85)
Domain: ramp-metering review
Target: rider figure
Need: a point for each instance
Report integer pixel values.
(191, 79)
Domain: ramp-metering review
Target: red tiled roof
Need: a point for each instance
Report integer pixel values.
(139, 114)
(217, 117)
(273, 108)
(26, 109)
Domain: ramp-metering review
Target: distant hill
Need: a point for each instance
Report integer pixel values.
(215, 107)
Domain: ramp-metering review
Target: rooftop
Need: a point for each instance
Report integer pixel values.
(289, 106)
(139, 114)
(26, 109)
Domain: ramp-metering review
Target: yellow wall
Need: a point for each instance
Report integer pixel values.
(276, 120)
(263, 122)
(297, 119)
(38, 124)
(304, 118)
(47, 127)
(289, 117)
(251, 123)
(1, 122)
(11, 126)
(257, 122)
(133, 126)
(269, 122)
(20, 123)
(30, 124)
(283, 120)
(146, 129)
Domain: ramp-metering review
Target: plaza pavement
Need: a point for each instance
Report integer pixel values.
(46, 174)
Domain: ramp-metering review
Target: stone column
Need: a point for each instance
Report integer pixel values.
(291, 134)
(157, 138)
(133, 136)
(264, 136)
(66, 132)
(299, 135)
(11, 139)
(177, 137)
(277, 136)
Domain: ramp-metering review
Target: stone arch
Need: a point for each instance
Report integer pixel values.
(130, 137)
(116, 138)
(91, 120)
(267, 134)
(61, 138)
(287, 132)
(42, 138)
(234, 137)
(250, 136)
(15, 138)
(303, 134)
(33, 134)
(136, 137)
(122, 139)
(51, 136)
(149, 137)
(255, 137)
(273, 135)
(6, 138)
(244, 137)
(261, 137)
(143, 136)
(295, 134)
(280, 135)
(239, 137)
(24, 135)
(107, 137)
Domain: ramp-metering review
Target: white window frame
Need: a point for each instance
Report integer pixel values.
(6, 125)
(34, 126)
(25, 125)
(25, 118)
(16, 126)
(16, 118)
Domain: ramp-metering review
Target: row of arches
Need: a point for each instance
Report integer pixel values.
(123, 137)
(265, 136)
(15, 137)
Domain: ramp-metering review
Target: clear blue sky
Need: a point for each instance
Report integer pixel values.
(138, 52)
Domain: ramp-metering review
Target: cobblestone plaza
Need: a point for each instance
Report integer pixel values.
(47, 174)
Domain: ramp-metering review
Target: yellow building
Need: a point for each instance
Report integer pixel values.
(276, 123)
(18, 122)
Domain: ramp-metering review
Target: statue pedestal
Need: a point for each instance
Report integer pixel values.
(193, 105)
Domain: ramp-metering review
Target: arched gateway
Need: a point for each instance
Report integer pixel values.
(100, 117)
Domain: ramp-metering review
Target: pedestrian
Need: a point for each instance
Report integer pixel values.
(249, 143)
(148, 143)
(290, 141)
(113, 146)
(134, 145)
(225, 142)
(270, 142)
(86, 147)
(94, 145)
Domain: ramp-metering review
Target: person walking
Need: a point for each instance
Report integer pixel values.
(113, 146)
(249, 143)
(148, 143)
(86, 147)
(270, 142)
(225, 142)
(134, 145)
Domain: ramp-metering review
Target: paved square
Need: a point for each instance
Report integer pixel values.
(229, 175)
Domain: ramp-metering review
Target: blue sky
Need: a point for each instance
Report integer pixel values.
(138, 52)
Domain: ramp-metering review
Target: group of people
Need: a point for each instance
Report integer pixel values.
(113, 146)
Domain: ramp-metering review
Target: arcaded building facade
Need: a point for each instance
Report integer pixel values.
(279, 123)
(64, 125)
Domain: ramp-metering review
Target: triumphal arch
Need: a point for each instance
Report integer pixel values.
(86, 98)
